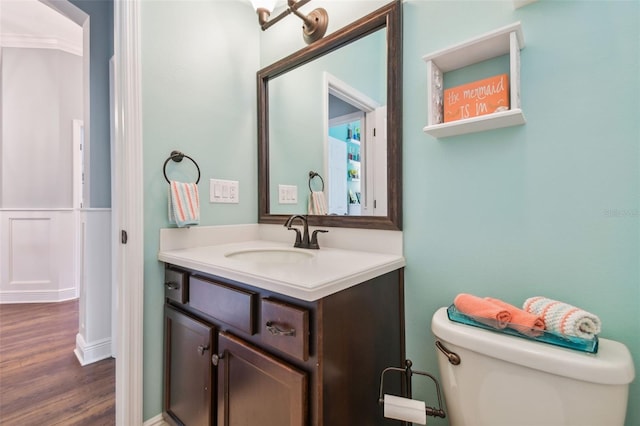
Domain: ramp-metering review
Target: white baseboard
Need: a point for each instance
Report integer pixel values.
(156, 421)
(88, 353)
(38, 296)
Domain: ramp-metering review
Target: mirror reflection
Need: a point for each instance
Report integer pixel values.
(329, 128)
(323, 120)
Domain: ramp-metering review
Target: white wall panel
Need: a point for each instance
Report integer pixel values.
(37, 249)
(30, 252)
(93, 341)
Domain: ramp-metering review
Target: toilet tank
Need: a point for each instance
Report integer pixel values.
(509, 381)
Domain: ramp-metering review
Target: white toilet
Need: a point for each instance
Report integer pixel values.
(510, 381)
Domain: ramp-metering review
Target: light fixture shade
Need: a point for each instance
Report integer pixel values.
(268, 5)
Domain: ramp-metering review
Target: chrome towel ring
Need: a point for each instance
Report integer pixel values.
(312, 175)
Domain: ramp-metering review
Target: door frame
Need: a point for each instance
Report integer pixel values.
(332, 85)
(129, 212)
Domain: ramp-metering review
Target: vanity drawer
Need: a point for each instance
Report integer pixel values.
(285, 327)
(228, 304)
(175, 285)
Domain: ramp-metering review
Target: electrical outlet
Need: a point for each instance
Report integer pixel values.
(224, 191)
(288, 194)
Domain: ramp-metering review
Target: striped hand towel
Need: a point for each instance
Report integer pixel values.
(562, 318)
(184, 204)
(317, 203)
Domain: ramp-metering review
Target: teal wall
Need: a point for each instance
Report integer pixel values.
(199, 61)
(549, 208)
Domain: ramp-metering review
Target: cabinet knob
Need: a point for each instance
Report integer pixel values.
(170, 285)
(277, 331)
(202, 348)
(215, 359)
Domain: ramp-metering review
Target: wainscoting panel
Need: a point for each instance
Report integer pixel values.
(94, 338)
(30, 253)
(37, 256)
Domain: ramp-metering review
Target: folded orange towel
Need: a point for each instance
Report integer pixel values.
(521, 320)
(482, 310)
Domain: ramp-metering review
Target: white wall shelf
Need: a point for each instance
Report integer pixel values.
(507, 40)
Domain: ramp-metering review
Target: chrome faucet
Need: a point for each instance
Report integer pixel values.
(302, 240)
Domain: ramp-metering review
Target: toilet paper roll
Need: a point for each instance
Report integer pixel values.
(408, 410)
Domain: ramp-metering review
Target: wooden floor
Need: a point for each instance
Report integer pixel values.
(41, 380)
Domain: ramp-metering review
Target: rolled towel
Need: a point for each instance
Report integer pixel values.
(482, 310)
(564, 319)
(522, 321)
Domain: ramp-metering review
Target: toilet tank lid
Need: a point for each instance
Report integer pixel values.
(611, 365)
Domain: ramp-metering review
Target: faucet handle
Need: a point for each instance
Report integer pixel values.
(298, 236)
(314, 238)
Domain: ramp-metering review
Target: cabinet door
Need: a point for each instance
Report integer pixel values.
(188, 372)
(256, 389)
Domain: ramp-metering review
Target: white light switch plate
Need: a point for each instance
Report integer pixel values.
(288, 194)
(224, 191)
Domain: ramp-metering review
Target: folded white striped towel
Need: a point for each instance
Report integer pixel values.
(562, 318)
(317, 203)
(184, 204)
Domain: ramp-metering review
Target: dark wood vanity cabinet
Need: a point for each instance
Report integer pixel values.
(189, 344)
(257, 388)
(238, 355)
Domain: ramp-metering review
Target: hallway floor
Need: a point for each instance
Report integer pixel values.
(41, 380)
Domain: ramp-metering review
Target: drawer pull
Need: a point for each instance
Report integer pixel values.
(202, 348)
(276, 331)
(170, 285)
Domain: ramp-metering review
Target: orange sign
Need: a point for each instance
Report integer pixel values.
(477, 98)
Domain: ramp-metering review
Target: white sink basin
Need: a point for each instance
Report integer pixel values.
(270, 255)
(277, 266)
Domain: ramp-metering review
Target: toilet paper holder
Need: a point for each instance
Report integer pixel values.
(409, 372)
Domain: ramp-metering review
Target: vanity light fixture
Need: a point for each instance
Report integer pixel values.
(315, 23)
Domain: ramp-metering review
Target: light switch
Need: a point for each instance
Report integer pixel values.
(234, 191)
(224, 191)
(287, 194)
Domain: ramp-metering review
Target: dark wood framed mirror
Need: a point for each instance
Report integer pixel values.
(388, 20)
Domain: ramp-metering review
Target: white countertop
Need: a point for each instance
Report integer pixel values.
(320, 274)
